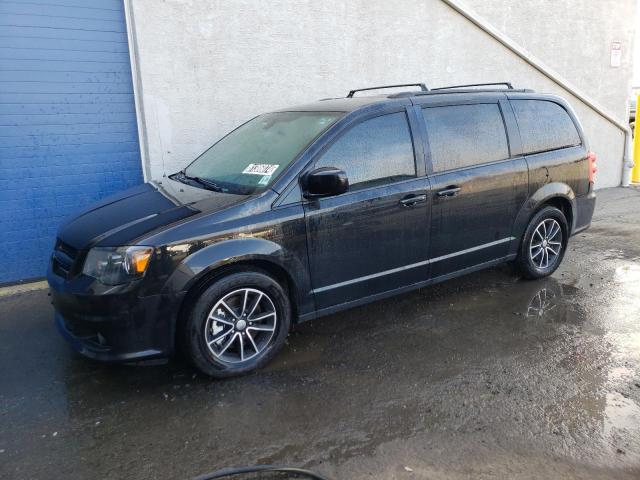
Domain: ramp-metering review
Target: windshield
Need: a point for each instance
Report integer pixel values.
(253, 155)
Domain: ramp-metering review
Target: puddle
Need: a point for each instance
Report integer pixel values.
(542, 304)
(628, 273)
(620, 414)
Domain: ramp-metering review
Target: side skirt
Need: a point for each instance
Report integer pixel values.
(391, 293)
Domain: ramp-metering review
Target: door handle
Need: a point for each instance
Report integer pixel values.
(411, 200)
(450, 191)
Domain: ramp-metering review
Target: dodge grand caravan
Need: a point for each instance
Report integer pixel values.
(317, 208)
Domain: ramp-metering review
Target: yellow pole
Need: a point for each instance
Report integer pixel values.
(635, 173)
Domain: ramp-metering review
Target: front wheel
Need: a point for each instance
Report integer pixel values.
(544, 243)
(238, 324)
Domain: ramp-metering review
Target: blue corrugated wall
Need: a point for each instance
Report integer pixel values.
(68, 132)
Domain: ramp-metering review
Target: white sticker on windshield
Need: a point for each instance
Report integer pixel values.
(260, 169)
(264, 180)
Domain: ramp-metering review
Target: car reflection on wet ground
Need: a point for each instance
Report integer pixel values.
(484, 376)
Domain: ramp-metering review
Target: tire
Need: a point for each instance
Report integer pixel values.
(534, 263)
(238, 324)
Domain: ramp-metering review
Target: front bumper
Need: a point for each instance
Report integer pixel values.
(118, 326)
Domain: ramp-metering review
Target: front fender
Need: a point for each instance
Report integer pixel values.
(533, 204)
(201, 263)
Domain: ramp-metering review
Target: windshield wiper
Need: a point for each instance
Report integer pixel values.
(208, 184)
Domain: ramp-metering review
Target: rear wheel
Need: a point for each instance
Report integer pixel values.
(544, 243)
(238, 324)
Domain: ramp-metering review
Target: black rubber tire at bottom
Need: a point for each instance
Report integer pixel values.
(194, 341)
(524, 263)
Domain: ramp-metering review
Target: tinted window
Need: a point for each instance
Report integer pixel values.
(544, 126)
(376, 151)
(465, 135)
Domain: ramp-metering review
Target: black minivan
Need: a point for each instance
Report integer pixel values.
(317, 208)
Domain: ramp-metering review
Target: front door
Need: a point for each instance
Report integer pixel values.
(374, 238)
(476, 188)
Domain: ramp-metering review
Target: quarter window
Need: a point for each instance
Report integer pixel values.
(376, 151)
(544, 126)
(465, 135)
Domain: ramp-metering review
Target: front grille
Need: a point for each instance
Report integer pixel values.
(64, 259)
(66, 249)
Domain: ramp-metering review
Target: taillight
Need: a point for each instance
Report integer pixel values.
(593, 167)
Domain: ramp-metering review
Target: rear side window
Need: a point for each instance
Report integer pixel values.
(376, 151)
(544, 126)
(465, 135)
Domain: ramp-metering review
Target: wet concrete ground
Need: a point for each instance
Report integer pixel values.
(486, 376)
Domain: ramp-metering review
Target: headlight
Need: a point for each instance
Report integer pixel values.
(117, 265)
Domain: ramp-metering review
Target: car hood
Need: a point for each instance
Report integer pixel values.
(128, 215)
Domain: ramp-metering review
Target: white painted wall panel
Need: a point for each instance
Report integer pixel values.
(206, 66)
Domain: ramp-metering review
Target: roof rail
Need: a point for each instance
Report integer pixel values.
(506, 84)
(422, 86)
(454, 91)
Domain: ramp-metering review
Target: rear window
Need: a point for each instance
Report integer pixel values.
(465, 135)
(544, 126)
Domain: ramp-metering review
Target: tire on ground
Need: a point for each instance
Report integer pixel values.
(524, 262)
(195, 345)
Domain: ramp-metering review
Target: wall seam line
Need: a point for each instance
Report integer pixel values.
(137, 89)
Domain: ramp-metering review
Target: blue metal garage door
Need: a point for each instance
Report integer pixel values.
(68, 132)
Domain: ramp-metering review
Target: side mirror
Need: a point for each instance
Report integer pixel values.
(325, 182)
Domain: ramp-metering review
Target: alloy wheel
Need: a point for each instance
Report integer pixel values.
(546, 244)
(240, 325)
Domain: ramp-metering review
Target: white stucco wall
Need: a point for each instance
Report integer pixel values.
(206, 66)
